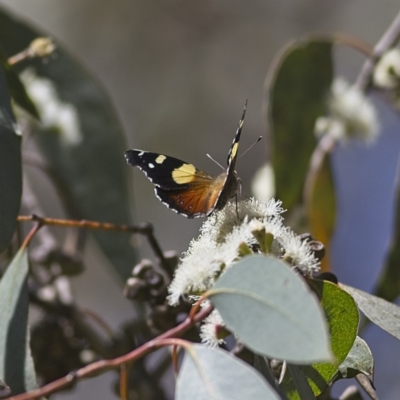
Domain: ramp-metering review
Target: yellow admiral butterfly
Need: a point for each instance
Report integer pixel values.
(184, 188)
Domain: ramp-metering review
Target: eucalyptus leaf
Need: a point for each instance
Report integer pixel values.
(16, 364)
(321, 210)
(379, 311)
(10, 167)
(271, 309)
(388, 285)
(86, 158)
(343, 319)
(359, 360)
(211, 373)
(296, 91)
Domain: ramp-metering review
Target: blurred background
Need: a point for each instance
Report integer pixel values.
(178, 73)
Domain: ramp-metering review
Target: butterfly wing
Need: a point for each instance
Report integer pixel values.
(230, 184)
(184, 188)
(179, 185)
(198, 199)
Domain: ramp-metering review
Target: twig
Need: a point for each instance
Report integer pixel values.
(31, 234)
(389, 38)
(167, 338)
(145, 229)
(123, 382)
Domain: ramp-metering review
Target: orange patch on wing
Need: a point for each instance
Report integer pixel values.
(196, 200)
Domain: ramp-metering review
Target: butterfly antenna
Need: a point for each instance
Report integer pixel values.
(216, 162)
(251, 146)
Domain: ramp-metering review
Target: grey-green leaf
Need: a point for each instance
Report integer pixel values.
(214, 374)
(359, 360)
(16, 364)
(382, 313)
(271, 309)
(10, 168)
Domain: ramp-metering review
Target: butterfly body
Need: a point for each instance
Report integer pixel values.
(183, 187)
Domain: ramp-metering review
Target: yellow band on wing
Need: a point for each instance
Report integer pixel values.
(234, 150)
(184, 174)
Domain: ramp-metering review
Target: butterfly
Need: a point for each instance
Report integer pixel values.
(183, 187)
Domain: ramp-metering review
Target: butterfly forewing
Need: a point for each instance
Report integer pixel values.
(166, 172)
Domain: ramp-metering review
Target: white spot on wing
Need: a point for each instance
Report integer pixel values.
(151, 165)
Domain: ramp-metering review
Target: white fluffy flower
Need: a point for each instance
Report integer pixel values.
(298, 253)
(54, 113)
(210, 329)
(387, 70)
(351, 114)
(219, 244)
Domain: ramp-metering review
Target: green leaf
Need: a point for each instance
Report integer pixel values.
(343, 319)
(379, 311)
(296, 94)
(271, 309)
(208, 374)
(10, 168)
(359, 360)
(16, 364)
(89, 169)
(322, 208)
(388, 286)
(16, 88)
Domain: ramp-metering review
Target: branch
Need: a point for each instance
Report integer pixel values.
(97, 367)
(389, 38)
(145, 229)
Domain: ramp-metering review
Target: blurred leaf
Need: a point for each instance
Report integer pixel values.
(300, 382)
(359, 360)
(322, 209)
(16, 88)
(379, 311)
(90, 168)
(271, 309)
(208, 373)
(388, 286)
(10, 168)
(16, 364)
(296, 94)
(343, 318)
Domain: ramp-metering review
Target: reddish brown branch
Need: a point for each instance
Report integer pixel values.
(31, 235)
(167, 338)
(145, 229)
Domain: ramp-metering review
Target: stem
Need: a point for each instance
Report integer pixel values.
(31, 235)
(145, 229)
(356, 43)
(123, 382)
(166, 339)
(389, 39)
